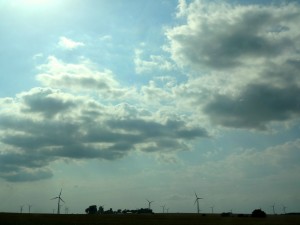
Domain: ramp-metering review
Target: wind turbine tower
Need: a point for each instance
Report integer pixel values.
(273, 207)
(29, 207)
(149, 203)
(163, 207)
(284, 208)
(212, 209)
(58, 202)
(21, 208)
(197, 201)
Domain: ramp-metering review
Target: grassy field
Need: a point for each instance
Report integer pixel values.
(133, 219)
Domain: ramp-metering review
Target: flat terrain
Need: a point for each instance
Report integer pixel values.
(143, 219)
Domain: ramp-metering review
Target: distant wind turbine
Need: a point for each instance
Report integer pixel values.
(197, 201)
(212, 209)
(21, 208)
(163, 207)
(58, 202)
(149, 203)
(29, 207)
(273, 207)
(284, 208)
(66, 210)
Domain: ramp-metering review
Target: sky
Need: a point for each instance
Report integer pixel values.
(116, 102)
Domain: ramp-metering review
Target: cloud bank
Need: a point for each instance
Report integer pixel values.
(241, 71)
(46, 124)
(243, 61)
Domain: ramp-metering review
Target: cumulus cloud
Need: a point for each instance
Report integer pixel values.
(43, 125)
(69, 44)
(257, 105)
(83, 76)
(182, 8)
(154, 63)
(225, 36)
(244, 62)
(46, 101)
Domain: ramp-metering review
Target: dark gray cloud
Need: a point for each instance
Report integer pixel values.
(224, 36)
(244, 60)
(81, 77)
(22, 176)
(45, 101)
(255, 107)
(36, 131)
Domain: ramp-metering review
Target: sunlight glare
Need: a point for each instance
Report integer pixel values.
(33, 3)
(36, 2)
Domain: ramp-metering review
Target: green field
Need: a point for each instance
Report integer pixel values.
(143, 219)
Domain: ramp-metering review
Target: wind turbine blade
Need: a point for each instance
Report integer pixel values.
(60, 192)
(196, 195)
(54, 198)
(61, 199)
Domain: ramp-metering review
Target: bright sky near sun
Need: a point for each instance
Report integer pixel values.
(121, 101)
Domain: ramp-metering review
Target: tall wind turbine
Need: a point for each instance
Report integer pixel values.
(163, 207)
(29, 207)
(273, 207)
(58, 202)
(21, 208)
(149, 203)
(197, 201)
(284, 208)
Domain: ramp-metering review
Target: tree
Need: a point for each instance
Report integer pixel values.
(91, 209)
(258, 213)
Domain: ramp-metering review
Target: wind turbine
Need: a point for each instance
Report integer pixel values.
(149, 203)
(163, 207)
(197, 201)
(21, 208)
(58, 203)
(29, 207)
(212, 209)
(284, 208)
(273, 207)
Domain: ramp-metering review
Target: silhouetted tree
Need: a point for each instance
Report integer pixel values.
(101, 210)
(91, 209)
(258, 213)
(226, 214)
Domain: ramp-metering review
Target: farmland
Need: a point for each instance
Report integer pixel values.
(143, 219)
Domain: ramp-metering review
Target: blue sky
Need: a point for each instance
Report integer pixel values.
(119, 102)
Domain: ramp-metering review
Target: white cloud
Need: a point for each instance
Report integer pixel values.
(243, 62)
(182, 8)
(106, 38)
(48, 124)
(82, 76)
(224, 36)
(69, 44)
(154, 63)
